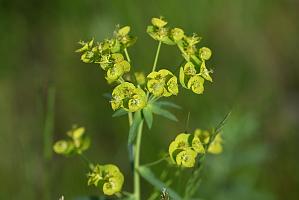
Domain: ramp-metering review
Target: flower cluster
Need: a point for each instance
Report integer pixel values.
(77, 143)
(193, 55)
(130, 93)
(186, 147)
(107, 177)
(162, 83)
(108, 54)
(128, 97)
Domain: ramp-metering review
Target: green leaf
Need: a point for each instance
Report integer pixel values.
(168, 104)
(222, 123)
(148, 115)
(134, 127)
(119, 112)
(148, 175)
(164, 113)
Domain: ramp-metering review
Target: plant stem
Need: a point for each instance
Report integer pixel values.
(155, 162)
(127, 55)
(137, 162)
(130, 117)
(157, 56)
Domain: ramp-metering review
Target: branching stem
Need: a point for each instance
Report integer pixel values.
(157, 56)
(137, 162)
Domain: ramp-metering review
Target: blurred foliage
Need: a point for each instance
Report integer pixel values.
(255, 54)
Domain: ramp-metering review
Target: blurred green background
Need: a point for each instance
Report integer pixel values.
(255, 59)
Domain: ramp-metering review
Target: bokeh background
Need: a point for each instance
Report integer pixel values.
(45, 89)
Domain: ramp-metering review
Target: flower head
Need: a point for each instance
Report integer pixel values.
(159, 31)
(162, 83)
(76, 144)
(107, 177)
(127, 96)
(122, 35)
(180, 151)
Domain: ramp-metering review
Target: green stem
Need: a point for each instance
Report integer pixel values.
(127, 55)
(157, 56)
(85, 159)
(130, 117)
(155, 162)
(137, 162)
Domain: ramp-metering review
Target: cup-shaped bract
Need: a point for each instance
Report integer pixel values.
(128, 97)
(76, 144)
(107, 177)
(162, 83)
(216, 145)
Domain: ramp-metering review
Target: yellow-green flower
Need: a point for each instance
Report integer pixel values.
(159, 31)
(127, 96)
(158, 22)
(197, 145)
(85, 46)
(195, 83)
(189, 75)
(177, 34)
(204, 136)
(180, 143)
(89, 52)
(124, 31)
(107, 177)
(181, 152)
(63, 147)
(216, 145)
(162, 83)
(205, 53)
(186, 158)
(140, 78)
(115, 65)
(122, 35)
(76, 144)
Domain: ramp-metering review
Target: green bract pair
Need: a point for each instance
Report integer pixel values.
(186, 147)
(128, 97)
(107, 177)
(162, 83)
(76, 144)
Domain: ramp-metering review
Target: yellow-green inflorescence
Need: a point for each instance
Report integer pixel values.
(109, 53)
(194, 72)
(128, 97)
(162, 83)
(107, 177)
(77, 142)
(130, 93)
(186, 147)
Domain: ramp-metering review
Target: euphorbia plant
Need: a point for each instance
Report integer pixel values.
(139, 96)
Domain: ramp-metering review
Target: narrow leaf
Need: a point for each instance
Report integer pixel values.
(148, 175)
(168, 104)
(222, 123)
(134, 127)
(148, 116)
(165, 113)
(119, 112)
